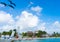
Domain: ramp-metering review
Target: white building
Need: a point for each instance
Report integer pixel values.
(5, 36)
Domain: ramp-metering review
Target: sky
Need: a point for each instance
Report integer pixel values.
(31, 15)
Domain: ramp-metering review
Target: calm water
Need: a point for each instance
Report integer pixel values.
(37, 40)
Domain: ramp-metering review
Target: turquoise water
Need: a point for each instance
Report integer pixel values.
(41, 40)
(35, 40)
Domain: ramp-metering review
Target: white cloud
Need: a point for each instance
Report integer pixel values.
(54, 27)
(7, 27)
(31, 3)
(41, 26)
(36, 9)
(6, 20)
(5, 17)
(56, 24)
(27, 20)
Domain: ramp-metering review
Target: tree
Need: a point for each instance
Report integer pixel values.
(0, 34)
(55, 34)
(7, 33)
(24, 34)
(4, 33)
(10, 32)
(44, 32)
(40, 33)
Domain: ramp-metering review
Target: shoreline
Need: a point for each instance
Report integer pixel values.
(30, 38)
(34, 38)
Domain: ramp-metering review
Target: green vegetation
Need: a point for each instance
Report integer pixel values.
(55, 34)
(0, 34)
(31, 34)
(7, 33)
(24, 34)
(38, 33)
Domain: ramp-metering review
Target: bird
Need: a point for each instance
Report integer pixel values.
(12, 2)
(6, 4)
(3, 3)
(11, 6)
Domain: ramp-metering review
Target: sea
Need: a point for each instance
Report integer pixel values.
(35, 40)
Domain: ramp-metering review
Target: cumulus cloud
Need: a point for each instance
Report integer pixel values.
(27, 20)
(6, 20)
(24, 22)
(7, 27)
(56, 24)
(54, 27)
(36, 9)
(5, 17)
(41, 26)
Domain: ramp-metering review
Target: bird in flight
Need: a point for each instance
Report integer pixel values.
(3, 3)
(10, 5)
(12, 2)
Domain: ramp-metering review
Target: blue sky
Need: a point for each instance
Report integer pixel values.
(50, 7)
(48, 13)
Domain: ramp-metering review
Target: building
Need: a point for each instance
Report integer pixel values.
(45, 35)
(5, 36)
(29, 33)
